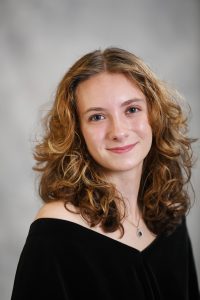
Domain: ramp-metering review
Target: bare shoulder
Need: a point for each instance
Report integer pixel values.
(57, 210)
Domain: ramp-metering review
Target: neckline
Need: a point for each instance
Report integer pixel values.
(93, 232)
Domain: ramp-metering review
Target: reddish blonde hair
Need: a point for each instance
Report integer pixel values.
(70, 174)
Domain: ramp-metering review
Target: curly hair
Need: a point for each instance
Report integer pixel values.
(70, 174)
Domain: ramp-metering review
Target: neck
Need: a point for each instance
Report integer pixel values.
(127, 184)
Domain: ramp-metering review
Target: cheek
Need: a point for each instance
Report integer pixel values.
(144, 128)
(91, 137)
(93, 133)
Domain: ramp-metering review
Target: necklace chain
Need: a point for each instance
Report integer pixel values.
(139, 232)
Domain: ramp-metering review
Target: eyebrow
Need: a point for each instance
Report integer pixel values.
(125, 103)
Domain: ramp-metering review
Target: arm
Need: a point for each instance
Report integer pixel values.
(193, 290)
(38, 275)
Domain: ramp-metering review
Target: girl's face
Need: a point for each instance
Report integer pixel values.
(114, 121)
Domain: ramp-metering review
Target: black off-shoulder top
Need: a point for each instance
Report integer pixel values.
(62, 260)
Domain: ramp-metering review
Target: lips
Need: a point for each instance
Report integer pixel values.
(123, 149)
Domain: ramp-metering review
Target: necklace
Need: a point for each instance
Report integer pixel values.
(139, 232)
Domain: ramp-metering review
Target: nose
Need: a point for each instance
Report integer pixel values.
(118, 130)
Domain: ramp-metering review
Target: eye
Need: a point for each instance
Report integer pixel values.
(132, 110)
(96, 117)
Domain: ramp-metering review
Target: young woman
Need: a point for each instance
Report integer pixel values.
(114, 163)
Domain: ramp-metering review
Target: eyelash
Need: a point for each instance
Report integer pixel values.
(99, 117)
(92, 118)
(136, 109)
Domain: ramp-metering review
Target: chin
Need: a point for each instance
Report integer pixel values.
(123, 168)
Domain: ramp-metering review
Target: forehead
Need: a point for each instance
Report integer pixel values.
(107, 87)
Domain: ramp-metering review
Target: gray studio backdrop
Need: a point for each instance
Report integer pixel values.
(40, 39)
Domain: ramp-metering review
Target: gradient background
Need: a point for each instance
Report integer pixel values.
(40, 39)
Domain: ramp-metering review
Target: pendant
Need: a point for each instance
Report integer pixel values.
(139, 233)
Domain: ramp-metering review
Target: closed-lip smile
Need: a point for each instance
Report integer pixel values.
(122, 149)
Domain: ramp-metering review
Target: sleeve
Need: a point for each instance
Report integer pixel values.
(193, 289)
(38, 275)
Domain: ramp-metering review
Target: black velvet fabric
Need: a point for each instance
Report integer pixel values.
(62, 260)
